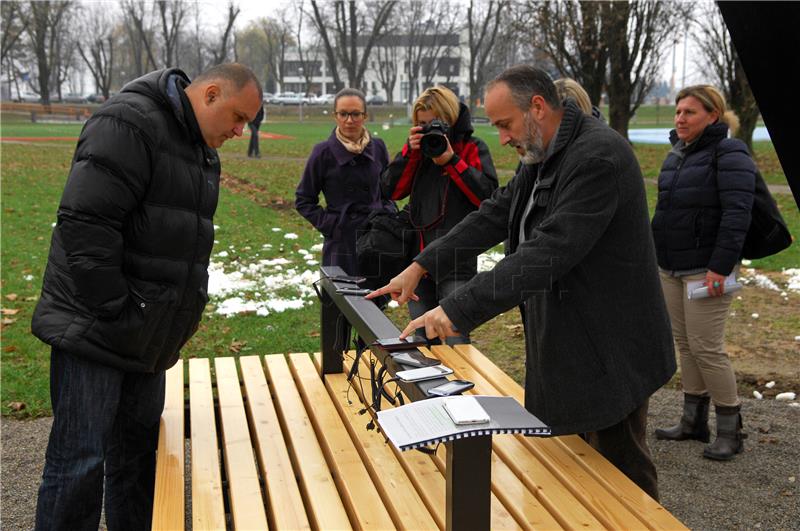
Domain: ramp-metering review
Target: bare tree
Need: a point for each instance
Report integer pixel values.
(43, 29)
(65, 58)
(98, 50)
(14, 17)
(483, 21)
(355, 26)
(308, 54)
(571, 32)
(220, 54)
(387, 68)
(171, 14)
(140, 36)
(279, 39)
(638, 32)
(718, 57)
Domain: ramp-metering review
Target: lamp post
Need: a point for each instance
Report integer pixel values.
(303, 93)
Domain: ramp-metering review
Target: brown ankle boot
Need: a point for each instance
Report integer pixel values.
(730, 437)
(693, 423)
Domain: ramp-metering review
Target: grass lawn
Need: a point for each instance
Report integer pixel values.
(258, 196)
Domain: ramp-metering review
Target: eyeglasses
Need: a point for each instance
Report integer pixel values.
(357, 116)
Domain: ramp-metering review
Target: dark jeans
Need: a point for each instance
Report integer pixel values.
(252, 148)
(625, 445)
(105, 423)
(430, 293)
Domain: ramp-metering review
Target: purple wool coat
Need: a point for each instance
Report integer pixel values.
(351, 185)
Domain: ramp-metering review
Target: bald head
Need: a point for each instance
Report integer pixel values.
(224, 99)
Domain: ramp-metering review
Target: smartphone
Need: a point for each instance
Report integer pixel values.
(395, 343)
(453, 387)
(414, 358)
(425, 373)
(466, 410)
(347, 279)
(353, 291)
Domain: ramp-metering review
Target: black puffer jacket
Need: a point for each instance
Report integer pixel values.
(441, 196)
(703, 209)
(127, 274)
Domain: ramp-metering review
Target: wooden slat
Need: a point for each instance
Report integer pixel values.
(559, 499)
(323, 504)
(168, 506)
(208, 509)
(247, 504)
(284, 502)
(395, 488)
(629, 494)
(362, 501)
(429, 480)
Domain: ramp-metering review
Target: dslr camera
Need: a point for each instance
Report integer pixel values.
(434, 142)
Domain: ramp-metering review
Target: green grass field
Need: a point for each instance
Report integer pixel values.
(33, 175)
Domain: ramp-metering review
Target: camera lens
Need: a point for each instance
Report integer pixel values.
(433, 144)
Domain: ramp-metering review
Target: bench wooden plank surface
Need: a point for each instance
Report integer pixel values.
(396, 489)
(361, 498)
(247, 505)
(168, 506)
(649, 511)
(208, 510)
(323, 504)
(284, 501)
(431, 468)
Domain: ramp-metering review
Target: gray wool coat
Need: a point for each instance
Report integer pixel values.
(598, 339)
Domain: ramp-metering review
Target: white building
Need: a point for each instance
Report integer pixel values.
(440, 60)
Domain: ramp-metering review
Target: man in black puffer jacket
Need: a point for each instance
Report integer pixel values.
(125, 284)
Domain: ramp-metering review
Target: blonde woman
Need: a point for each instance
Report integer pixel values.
(705, 194)
(444, 184)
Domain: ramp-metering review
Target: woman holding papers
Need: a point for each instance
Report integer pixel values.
(705, 194)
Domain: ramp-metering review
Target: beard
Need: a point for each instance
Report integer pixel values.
(532, 148)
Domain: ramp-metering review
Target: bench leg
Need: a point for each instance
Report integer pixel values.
(469, 477)
(334, 335)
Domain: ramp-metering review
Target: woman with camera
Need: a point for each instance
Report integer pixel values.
(346, 169)
(447, 172)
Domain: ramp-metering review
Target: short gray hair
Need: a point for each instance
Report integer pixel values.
(235, 73)
(525, 82)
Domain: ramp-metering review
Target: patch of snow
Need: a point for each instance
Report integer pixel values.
(746, 262)
(769, 385)
(317, 247)
(290, 236)
(788, 396)
(222, 254)
(794, 404)
(487, 261)
(758, 395)
(793, 280)
(28, 278)
(216, 227)
(754, 315)
(797, 338)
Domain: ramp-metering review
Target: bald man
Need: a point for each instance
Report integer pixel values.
(125, 284)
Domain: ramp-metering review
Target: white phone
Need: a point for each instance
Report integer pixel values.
(465, 410)
(424, 373)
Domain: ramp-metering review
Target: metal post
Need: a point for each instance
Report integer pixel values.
(334, 334)
(469, 477)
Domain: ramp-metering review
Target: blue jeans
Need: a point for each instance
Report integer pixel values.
(430, 294)
(105, 425)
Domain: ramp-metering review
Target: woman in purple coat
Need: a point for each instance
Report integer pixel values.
(346, 168)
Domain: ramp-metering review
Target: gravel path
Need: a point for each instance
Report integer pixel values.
(757, 490)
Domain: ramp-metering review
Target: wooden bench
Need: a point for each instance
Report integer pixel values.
(70, 112)
(275, 445)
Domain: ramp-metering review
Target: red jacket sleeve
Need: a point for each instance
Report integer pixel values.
(472, 170)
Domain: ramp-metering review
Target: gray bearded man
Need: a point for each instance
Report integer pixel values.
(580, 265)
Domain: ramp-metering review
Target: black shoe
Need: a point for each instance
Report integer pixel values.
(693, 423)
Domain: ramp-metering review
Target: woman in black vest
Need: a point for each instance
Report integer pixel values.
(705, 195)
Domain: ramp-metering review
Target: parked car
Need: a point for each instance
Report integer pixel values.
(268, 96)
(73, 98)
(96, 98)
(28, 97)
(376, 99)
(289, 98)
(324, 99)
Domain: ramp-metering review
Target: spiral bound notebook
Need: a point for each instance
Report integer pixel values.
(427, 422)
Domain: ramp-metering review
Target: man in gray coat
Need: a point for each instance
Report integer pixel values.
(580, 264)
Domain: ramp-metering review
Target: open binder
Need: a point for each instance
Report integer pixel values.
(427, 422)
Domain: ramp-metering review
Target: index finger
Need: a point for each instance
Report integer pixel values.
(412, 326)
(378, 292)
